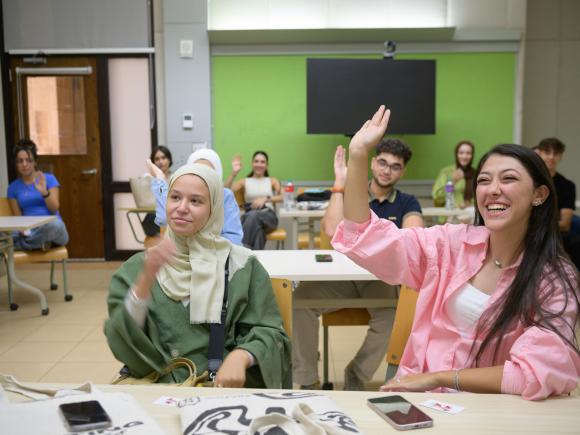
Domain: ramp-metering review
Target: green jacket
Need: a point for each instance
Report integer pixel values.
(253, 323)
(438, 191)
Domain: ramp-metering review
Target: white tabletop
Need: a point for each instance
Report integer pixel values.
(483, 413)
(301, 265)
(23, 223)
(296, 213)
(442, 211)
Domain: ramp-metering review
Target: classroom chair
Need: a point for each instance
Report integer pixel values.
(283, 293)
(401, 329)
(342, 317)
(279, 235)
(58, 254)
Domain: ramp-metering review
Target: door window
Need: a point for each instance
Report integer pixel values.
(56, 114)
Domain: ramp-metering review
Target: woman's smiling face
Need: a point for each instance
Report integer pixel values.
(505, 193)
(188, 205)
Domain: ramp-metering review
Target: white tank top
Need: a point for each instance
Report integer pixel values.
(257, 188)
(465, 307)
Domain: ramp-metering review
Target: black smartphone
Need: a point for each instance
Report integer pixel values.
(400, 413)
(80, 416)
(323, 258)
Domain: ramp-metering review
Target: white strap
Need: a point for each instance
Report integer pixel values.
(10, 383)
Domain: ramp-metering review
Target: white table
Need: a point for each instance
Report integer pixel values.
(301, 265)
(8, 224)
(484, 414)
(457, 214)
(296, 214)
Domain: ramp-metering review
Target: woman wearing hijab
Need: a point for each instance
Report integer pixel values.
(161, 302)
(232, 229)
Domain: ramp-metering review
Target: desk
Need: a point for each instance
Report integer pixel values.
(295, 214)
(456, 213)
(483, 414)
(300, 265)
(136, 211)
(8, 224)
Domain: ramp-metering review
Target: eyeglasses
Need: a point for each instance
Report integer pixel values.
(394, 167)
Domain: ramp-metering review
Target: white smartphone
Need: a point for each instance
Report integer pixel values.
(400, 413)
(81, 416)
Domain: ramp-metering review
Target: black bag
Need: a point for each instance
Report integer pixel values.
(314, 196)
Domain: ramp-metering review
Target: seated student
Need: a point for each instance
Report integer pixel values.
(498, 300)
(162, 159)
(460, 173)
(161, 303)
(551, 151)
(260, 193)
(232, 229)
(35, 193)
(388, 166)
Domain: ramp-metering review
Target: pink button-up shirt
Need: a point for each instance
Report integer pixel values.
(439, 261)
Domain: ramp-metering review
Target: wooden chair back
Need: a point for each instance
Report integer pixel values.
(5, 209)
(402, 324)
(283, 293)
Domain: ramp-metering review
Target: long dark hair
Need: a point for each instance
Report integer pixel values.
(544, 260)
(468, 170)
(30, 148)
(251, 174)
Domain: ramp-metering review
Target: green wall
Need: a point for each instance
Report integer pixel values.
(259, 102)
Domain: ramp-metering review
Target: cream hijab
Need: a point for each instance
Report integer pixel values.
(209, 155)
(197, 271)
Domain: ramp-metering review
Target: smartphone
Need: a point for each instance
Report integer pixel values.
(323, 258)
(80, 416)
(400, 413)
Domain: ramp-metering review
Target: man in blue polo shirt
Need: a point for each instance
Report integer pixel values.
(388, 166)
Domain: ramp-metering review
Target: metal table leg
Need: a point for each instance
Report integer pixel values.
(13, 279)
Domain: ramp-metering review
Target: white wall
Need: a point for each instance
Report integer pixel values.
(552, 83)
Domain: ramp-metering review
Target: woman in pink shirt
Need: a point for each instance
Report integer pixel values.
(498, 300)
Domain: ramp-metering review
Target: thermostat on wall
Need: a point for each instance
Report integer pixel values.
(186, 48)
(187, 121)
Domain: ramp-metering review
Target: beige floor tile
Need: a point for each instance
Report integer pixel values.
(37, 351)
(79, 372)
(90, 351)
(96, 334)
(58, 332)
(26, 371)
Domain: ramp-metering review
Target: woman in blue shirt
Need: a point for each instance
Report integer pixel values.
(232, 229)
(35, 193)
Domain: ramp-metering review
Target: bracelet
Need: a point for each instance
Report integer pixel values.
(456, 380)
(337, 190)
(47, 194)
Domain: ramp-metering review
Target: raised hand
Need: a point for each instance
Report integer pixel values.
(40, 183)
(371, 132)
(157, 256)
(154, 171)
(236, 163)
(340, 167)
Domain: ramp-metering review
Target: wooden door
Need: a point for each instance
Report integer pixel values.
(55, 104)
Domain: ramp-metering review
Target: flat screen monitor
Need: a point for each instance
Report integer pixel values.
(343, 93)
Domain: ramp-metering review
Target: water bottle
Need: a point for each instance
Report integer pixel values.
(449, 195)
(289, 196)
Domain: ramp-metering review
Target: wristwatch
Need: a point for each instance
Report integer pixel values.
(47, 194)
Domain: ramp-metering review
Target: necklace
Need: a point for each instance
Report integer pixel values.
(497, 264)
